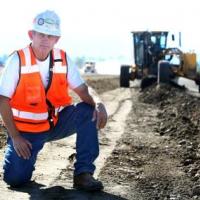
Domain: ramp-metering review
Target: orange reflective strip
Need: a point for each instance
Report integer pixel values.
(63, 57)
(22, 57)
(33, 60)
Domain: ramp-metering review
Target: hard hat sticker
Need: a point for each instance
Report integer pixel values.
(40, 21)
(49, 21)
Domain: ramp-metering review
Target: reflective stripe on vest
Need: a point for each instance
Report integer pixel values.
(29, 115)
(29, 69)
(59, 69)
(35, 68)
(34, 116)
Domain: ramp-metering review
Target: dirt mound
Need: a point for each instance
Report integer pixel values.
(179, 111)
(179, 117)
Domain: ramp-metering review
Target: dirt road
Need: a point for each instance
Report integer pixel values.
(149, 150)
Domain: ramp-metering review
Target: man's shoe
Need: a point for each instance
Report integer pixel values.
(85, 181)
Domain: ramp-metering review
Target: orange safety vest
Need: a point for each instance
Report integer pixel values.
(36, 109)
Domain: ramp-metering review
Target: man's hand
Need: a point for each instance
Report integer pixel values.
(100, 115)
(89, 96)
(22, 146)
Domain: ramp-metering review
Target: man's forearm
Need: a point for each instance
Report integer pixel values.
(94, 95)
(88, 95)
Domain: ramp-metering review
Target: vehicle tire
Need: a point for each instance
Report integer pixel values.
(124, 76)
(165, 72)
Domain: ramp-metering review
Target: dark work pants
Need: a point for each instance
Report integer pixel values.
(73, 119)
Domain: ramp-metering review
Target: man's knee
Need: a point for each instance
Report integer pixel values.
(84, 107)
(16, 179)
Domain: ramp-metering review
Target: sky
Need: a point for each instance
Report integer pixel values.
(100, 28)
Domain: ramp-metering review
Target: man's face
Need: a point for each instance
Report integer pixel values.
(42, 44)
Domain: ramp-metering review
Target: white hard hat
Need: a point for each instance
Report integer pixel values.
(48, 23)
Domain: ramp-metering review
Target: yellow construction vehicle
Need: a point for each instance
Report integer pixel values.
(155, 60)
